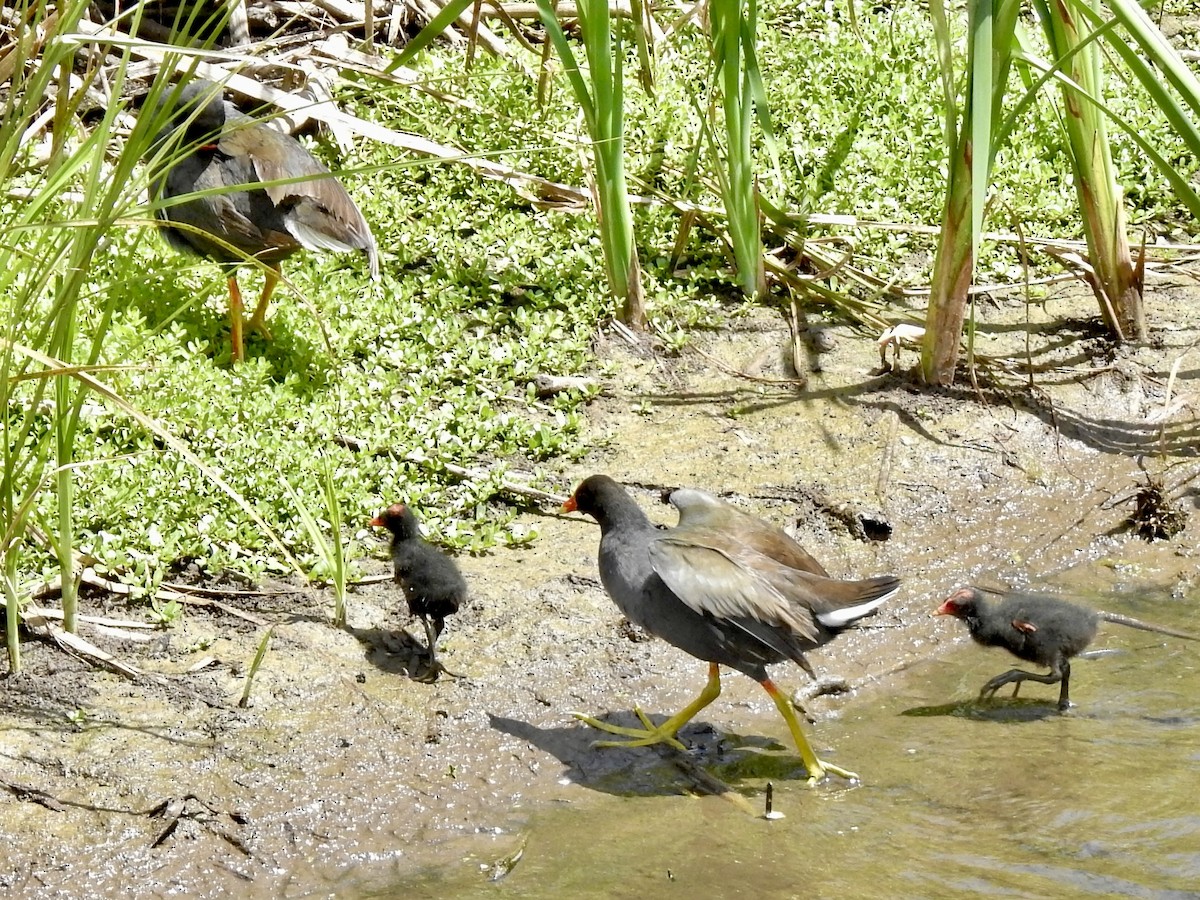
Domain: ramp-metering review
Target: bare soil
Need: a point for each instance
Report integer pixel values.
(345, 771)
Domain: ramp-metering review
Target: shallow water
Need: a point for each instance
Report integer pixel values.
(1005, 799)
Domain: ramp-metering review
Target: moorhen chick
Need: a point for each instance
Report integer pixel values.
(701, 589)
(432, 583)
(210, 146)
(1039, 629)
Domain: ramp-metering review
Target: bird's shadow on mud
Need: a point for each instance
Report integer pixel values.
(1009, 710)
(297, 354)
(715, 763)
(393, 650)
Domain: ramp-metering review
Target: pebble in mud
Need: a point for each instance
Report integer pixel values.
(822, 340)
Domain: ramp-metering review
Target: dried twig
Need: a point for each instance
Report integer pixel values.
(29, 794)
(43, 627)
(797, 383)
(549, 385)
(889, 452)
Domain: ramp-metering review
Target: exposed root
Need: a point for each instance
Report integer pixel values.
(1156, 517)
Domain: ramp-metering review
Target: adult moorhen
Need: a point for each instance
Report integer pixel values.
(211, 146)
(432, 583)
(1038, 629)
(701, 589)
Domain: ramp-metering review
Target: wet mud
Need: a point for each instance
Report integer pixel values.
(345, 775)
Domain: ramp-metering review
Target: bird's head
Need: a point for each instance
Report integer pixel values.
(398, 519)
(199, 106)
(961, 604)
(594, 496)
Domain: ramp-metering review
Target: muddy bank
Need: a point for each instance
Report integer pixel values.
(345, 771)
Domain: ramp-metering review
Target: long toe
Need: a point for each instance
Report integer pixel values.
(427, 675)
(638, 737)
(826, 769)
(442, 670)
(994, 684)
(433, 670)
(258, 326)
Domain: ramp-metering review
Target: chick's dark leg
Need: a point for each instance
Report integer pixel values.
(1064, 701)
(1056, 674)
(433, 630)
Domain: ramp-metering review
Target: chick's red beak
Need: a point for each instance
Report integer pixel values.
(376, 522)
(569, 506)
(946, 609)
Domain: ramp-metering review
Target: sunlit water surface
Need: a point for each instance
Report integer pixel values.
(1008, 799)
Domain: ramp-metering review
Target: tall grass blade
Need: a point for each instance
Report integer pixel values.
(601, 99)
(1113, 275)
(991, 28)
(331, 552)
(255, 665)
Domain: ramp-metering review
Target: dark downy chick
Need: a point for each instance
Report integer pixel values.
(1042, 630)
(1038, 629)
(432, 583)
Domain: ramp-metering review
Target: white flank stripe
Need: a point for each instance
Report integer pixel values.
(840, 618)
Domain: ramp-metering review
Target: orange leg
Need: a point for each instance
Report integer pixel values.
(237, 350)
(258, 320)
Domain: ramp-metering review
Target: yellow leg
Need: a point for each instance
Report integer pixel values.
(237, 350)
(817, 769)
(664, 733)
(258, 320)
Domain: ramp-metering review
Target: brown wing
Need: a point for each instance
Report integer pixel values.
(713, 582)
(318, 211)
(721, 577)
(212, 224)
(701, 509)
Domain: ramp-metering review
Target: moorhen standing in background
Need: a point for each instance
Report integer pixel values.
(700, 589)
(211, 145)
(1036, 628)
(432, 583)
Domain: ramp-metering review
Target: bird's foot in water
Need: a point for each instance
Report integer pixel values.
(988, 691)
(827, 769)
(639, 737)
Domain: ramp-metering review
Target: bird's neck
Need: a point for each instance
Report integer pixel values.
(622, 513)
(987, 630)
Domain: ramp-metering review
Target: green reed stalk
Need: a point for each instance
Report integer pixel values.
(601, 98)
(733, 26)
(972, 150)
(1113, 278)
